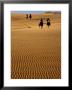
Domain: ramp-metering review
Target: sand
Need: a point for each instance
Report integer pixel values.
(35, 52)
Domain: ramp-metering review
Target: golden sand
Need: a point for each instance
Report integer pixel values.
(35, 52)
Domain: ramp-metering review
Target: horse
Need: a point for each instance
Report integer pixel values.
(30, 16)
(27, 16)
(41, 23)
(48, 22)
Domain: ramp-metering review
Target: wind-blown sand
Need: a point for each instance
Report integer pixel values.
(36, 52)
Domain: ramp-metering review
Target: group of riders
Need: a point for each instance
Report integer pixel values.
(30, 16)
(41, 21)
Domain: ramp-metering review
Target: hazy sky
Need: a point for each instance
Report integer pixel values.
(28, 12)
(31, 12)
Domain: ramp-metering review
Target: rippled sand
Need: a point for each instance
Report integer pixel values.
(36, 52)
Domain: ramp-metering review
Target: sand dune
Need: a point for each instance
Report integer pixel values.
(36, 52)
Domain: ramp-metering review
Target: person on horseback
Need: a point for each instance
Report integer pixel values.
(27, 16)
(30, 16)
(41, 23)
(48, 22)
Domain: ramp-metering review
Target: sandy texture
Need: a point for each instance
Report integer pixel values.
(35, 52)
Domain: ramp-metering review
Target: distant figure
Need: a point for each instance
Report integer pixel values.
(48, 22)
(30, 16)
(27, 16)
(41, 23)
